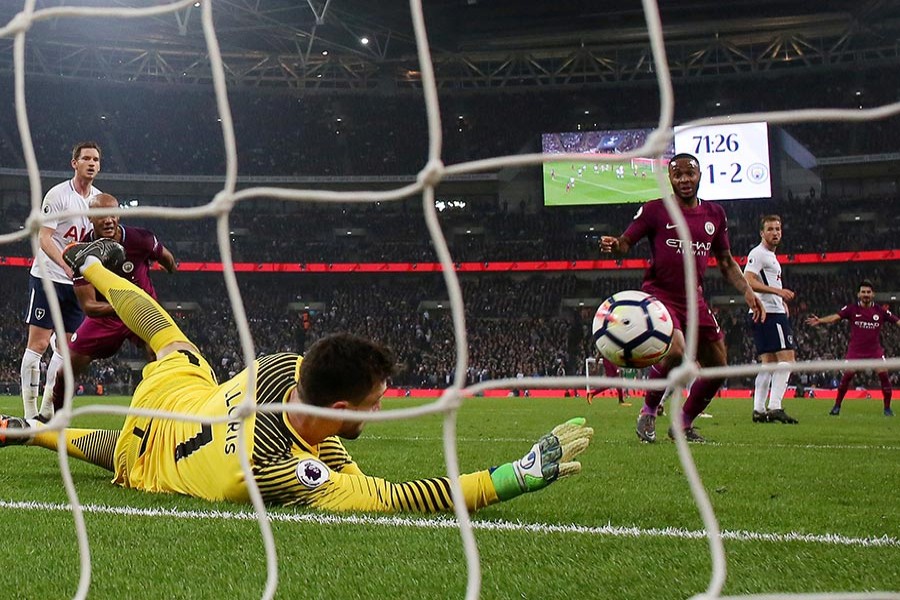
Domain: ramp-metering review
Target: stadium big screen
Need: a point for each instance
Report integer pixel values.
(609, 181)
(734, 160)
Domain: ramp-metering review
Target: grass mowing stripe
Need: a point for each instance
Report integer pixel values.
(448, 523)
(631, 442)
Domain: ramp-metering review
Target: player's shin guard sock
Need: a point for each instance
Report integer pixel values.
(47, 402)
(701, 394)
(31, 381)
(843, 387)
(59, 394)
(761, 391)
(654, 397)
(141, 313)
(886, 389)
(96, 446)
(779, 386)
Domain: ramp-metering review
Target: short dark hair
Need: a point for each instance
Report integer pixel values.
(865, 283)
(343, 366)
(766, 219)
(684, 155)
(76, 151)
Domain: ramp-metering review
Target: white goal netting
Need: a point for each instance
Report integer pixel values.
(428, 178)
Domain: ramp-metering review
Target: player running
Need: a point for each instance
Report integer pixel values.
(866, 319)
(774, 338)
(665, 279)
(610, 369)
(102, 333)
(297, 459)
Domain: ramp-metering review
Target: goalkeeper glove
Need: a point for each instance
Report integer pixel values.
(548, 460)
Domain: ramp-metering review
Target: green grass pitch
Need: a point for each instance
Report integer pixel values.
(825, 477)
(592, 187)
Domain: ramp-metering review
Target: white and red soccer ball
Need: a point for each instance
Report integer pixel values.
(633, 329)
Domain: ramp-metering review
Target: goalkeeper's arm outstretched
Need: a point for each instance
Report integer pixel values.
(297, 459)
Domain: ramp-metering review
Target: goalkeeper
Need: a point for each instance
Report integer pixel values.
(296, 459)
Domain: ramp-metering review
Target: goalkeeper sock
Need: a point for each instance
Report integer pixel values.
(141, 313)
(96, 446)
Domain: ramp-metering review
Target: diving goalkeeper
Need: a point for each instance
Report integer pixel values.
(296, 459)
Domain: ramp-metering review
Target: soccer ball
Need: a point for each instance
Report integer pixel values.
(633, 329)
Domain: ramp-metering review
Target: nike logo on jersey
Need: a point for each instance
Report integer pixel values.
(670, 226)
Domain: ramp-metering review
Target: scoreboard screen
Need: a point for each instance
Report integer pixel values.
(734, 159)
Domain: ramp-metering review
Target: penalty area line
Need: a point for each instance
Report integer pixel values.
(316, 518)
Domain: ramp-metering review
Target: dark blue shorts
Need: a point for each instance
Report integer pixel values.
(773, 335)
(38, 311)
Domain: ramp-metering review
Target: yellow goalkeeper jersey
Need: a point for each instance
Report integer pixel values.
(202, 460)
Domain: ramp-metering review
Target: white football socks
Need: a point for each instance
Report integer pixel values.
(779, 386)
(52, 370)
(760, 391)
(30, 381)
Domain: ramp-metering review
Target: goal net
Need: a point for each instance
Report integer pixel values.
(431, 175)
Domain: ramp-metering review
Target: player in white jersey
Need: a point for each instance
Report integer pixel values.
(773, 337)
(56, 233)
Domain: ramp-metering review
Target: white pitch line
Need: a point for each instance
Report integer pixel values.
(618, 190)
(442, 522)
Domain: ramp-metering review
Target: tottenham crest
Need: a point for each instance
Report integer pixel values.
(312, 473)
(39, 313)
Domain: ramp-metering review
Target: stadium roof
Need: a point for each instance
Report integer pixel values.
(476, 44)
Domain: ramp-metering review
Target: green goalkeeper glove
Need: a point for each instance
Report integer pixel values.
(548, 460)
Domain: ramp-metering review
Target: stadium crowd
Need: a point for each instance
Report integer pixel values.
(395, 233)
(282, 134)
(517, 326)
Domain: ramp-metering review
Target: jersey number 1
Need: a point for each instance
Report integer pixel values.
(185, 449)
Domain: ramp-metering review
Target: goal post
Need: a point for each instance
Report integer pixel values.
(590, 367)
(648, 164)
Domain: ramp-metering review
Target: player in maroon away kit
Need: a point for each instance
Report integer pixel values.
(866, 319)
(609, 370)
(102, 333)
(665, 279)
